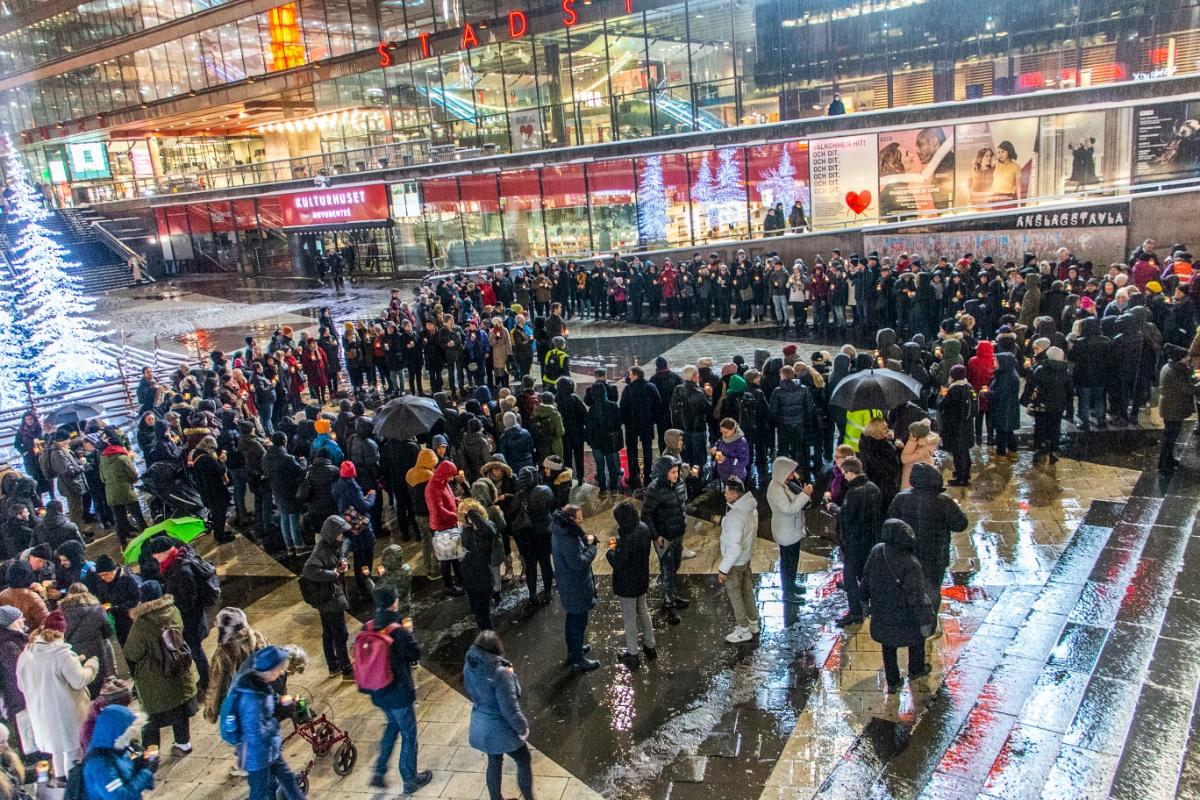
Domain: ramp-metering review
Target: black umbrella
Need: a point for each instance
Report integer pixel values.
(74, 413)
(406, 416)
(883, 389)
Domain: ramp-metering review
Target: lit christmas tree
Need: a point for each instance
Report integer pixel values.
(780, 184)
(704, 193)
(729, 197)
(48, 313)
(652, 202)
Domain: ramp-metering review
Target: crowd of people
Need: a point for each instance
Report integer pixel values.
(495, 492)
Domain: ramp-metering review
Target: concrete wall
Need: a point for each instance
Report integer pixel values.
(1166, 218)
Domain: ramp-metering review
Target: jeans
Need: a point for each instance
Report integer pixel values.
(495, 769)
(289, 524)
(265, 413)
(1091, 405)
(238, 477)
(646, 438)
(739, 587)
(839, 316)
(401, 722)
(264, 783)
(789, 559)
(634, 610)
(608, 470)
(333, 640)
(669, 559)
(891, 667)
(574, 629)
(780, 303)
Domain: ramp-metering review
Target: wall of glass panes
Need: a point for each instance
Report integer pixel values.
(692, 66)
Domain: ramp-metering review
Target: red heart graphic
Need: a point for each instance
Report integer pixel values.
(527, 129)
(859, 201)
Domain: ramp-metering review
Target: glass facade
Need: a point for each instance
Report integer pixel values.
(701, 197)
(696, 65)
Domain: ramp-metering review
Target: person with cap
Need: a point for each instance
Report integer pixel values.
(1047, 394)
(168, 695)
(356, 507)
(68, 471)
(321, 585)
(1180, 391)
(54, 681)
(664, 381)
(396, 699)
(113, 692)
(324, 439)
(901, 611)
(556, 363)
(516, 444)
(112, 768)
(739, 528)
(664, 514)
(54, 529)
(18, 592)
(89, 631)
(639, 410)
(257, 710)
(957, 407)
(119, 475)
(182, 576)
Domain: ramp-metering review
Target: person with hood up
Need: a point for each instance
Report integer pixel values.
(73, 567)
(167, 698)
(574, 551)
(738, 531)
(397, 698)
(788, 498)
(951, 357)
(352, 504)
(54, 682)
(16, 532)
(731, 454)
(516, 444)
(933, 517)
(1047, 394)
(546, 426)
(119, 475)
(317, 488)
(212, 482)
(1095, 362)
(530, 526)
(443, 517)
(980, 368)
(257, 709)
(236, 642)
(1004, 408)
(55, 529)
(89, 632)
(323, 589)
(112, 768)
(1180, 392)
(901, 611)
(920, 448)
(498, 727)
(574, 418)
(664, 514)
(630, 562)
(416, 480)
(362, 450)
(480, 540)
(394, 572)
(475, 450)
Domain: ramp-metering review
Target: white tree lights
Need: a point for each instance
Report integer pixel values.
(46, 310)
(652, 202)
(780, 184)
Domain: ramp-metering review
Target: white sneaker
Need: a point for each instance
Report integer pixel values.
(237, 772)
(688, 554)
(755, 627)
(739, 635)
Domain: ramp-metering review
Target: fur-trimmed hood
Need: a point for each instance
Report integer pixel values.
(150, 606)
(80, 599)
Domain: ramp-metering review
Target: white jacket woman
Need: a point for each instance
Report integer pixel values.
(54, 680)
(787, 522)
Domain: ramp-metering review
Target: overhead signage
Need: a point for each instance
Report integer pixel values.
(334, 206)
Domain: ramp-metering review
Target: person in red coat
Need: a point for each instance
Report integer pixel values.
(443, 515)
(980, 369)
(313, 362)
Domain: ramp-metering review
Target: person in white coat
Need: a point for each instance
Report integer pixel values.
(788, 498)
(738, 531)
(54, 680)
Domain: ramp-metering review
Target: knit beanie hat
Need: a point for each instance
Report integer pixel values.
(383, 596)
(269, 658)
(322, 425)
(510, 420)
(958, 372)
(1056, 354)
(55, 621)
(1041, 343)
(9, 615)
(151, 590)
(347, 470)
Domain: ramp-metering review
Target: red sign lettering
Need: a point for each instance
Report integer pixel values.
(518, 24)
(385, 55)
(569, 15)
(334, 206)
(469, 39)
(424, 37)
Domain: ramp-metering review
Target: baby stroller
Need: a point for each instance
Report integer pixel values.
(171, 495)
(322, 735)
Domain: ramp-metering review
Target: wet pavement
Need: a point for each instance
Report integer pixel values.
(1070, 665)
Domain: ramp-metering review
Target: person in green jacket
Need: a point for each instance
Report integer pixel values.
(118, 475)
(166, 699)
(546, 425)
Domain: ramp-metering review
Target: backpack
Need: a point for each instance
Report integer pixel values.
(227, 720)
(208, 584)
(373, 658)
(174, 652)
(543, 434)
(678, 402)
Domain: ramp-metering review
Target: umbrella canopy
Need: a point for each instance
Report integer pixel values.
(74, 413)
(181, 529)
(883, 389)
(406, 416)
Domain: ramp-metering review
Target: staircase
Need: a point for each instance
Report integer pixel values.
(100, 269)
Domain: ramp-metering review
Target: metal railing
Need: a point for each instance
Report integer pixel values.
(134, 260)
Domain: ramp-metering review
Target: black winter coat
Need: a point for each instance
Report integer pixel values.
(1092, 354)
(791, 404)
(639, 406)
(602, 426)
(320, 479)
(662, 507)
(861, 517)
(956, 410)
(932, 515)
(901, 609)
(284, 474)
(881, 460)
(690, 408)
(664, 381)
(630, 562)
(1048, 389)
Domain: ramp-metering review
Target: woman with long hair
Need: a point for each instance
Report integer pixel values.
(498, 726)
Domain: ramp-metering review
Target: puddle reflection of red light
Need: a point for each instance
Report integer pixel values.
(834, 661)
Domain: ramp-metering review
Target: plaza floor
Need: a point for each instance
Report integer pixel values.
(1069, 667)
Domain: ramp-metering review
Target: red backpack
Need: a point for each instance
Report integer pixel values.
(373, 658)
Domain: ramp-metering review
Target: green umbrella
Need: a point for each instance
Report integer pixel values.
(181, 529)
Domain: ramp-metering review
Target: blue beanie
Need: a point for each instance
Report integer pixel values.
(150, 590)
(269, 657)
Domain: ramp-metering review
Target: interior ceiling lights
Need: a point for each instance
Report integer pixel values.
(333, 119)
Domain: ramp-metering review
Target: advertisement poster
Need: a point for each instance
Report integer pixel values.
(89, 160)
(995, 162)
(1084, 151)
(916, 172)
(843, 180)
(1168, 142)
(525, 127)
